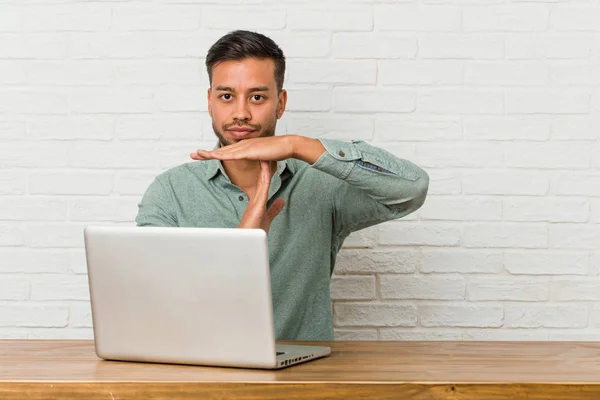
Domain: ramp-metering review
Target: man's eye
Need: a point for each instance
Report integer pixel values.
(257, 97)
(226, 96)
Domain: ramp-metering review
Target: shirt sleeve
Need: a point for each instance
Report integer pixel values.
(154, 206)
(376, 185)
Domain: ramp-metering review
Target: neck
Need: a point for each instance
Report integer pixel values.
(243, 173)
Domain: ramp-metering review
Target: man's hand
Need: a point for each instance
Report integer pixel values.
(256, 215)
(272, 148)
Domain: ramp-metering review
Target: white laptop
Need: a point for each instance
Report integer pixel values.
(199, 296)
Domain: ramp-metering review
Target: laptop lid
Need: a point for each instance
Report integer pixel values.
(181, 295)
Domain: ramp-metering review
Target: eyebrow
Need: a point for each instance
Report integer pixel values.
(251, 90)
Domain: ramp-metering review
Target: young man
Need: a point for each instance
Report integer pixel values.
(308, 194)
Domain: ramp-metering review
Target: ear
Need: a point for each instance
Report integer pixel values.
(281, 103)
(208, 102)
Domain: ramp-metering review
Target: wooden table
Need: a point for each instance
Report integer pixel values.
(41, 369)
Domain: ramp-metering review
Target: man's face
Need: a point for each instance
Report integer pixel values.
(243, 100)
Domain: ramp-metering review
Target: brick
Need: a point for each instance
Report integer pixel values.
(143, 17)
(462, 46)
(577, 184)
(418, 129)
(330, 19)
(573, 335)
(179, 98)
(507, 288)
(353, 288)
(355, 334)
(422, 287)
(95, 127)
(500, 334)
(550, 155)
(549, 316)
(165, 127)
(463, 261)
(12, 234)
(573, 236)
(14, 287)
(132, 183)
(343, 71)
(61, 333)
(468, 155)
(309, 100)
(548, 46)
(109, 100)
(528, 127)
(374, 314)
(171, 155)
(69, 73)
(575, 74)
(59, 287)
(13, 333)
(68, 17)
(12, 72)
(594, 321)
(410, 17)
(397, 261)
(11, 19)
(507, 74)
(33, 46)
(460, 102)
(416, 334)
(77, 261)
(364, 238)
(546, 209)
(518, 262)
(55, 234)
(519, 18)
(19, 154)
(25, 314)
(122, 209)
(103, 45)
(460, 315)
(419, 233)
(19, 208)
(32, 101)
(253, 18)
(373, 45)
(330, 126)
(418, 72)
(301, 44)
(443, 182)
(80, 315)
(71, 183)
(565, 101)
(575, 289)
(505, 183)
(458, 208)
(12, 183)
(595, 211)
(575, 127)
(150, 72)
(373, 100)
(505, 235)
(13, 130)
(112, 155)
(30, 261)
(575, 19)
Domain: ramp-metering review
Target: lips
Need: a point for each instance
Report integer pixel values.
(239, 133)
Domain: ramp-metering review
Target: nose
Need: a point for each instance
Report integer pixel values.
(242, 112)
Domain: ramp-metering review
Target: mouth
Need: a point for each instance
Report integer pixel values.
(241, 133)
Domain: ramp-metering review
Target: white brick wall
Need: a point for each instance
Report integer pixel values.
(499, 100)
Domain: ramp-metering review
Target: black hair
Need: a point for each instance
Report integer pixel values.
(241, 44)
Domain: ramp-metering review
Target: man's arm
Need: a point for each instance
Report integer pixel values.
(153, 209)
(379, 186)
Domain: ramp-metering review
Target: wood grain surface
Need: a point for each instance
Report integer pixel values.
(52, 369)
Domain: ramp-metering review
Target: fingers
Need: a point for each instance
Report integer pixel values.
(264, 180)
(275, 208)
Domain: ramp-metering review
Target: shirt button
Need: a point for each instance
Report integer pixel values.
(379, 169)
(341, 153)
(241, 198)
